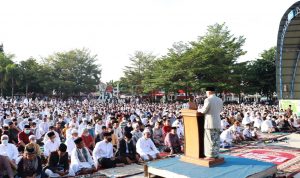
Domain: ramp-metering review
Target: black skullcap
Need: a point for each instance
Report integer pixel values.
(62, 147)
(27, 127)
(128, 135)
(29, 119)
(210, 89)
(14, 119)
(107, 134)
(10, 123)
(29, 149)
(50, 134)
(78, 140)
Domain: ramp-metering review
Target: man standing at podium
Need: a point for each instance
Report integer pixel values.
(212, 108)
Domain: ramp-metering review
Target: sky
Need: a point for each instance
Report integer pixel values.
(115, 29)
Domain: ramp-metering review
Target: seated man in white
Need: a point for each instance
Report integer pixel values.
(9, 150)
(81, 160)
(70, 141)
(51, 145)
(226, 137)
(267, 126)
(57, 138)
(103, 153)
(146, 148)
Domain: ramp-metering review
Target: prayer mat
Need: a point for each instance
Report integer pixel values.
(292, 140)
(287, 159)
(128, 170)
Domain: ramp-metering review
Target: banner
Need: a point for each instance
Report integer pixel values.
(284, 104)
(268, 156)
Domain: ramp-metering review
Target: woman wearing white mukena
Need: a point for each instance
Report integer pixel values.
(212, 108)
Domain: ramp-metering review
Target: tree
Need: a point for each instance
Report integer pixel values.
(261, 76)
(141, 63)
(5, 61)
(10, 70)
(73, 72)
(214, 55)
(30, 71)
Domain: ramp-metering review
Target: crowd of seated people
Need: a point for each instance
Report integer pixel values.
(65, 138)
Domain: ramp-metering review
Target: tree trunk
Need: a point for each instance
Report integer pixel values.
(12, 87)
(26, 88)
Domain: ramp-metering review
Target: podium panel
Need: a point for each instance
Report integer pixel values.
(194, 139)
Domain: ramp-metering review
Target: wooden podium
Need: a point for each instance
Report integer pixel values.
(194, 139)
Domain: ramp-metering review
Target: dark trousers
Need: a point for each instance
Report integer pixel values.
(106, 163)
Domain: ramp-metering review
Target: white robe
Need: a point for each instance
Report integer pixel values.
(9, 150)
(70, 144)
(76, 165)
(146, 147)
(226, 136)
(50, 147)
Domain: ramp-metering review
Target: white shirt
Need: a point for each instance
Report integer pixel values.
(118, 132)
(266, 125)
(226, 136)
(50, 147)
(9, 150)
(81, 127)
(70, 144)
(257, 122)
(102, 150)
(98, 128)
(145, 147)
(246, 120)
(224, 124)
(57, 138)
(44, 127)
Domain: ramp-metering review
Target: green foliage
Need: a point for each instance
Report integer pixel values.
(209, 61)
(67, 73)
(261, 74)
(141, 65)
(73, 72)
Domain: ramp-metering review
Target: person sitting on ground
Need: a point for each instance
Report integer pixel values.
(70, 140)
(58, 163)
(226, 137)
(100, 137)
(114, 137)
(266, 125)
(23, 137)
(237, 133)
(136, 133)
(9, 150)
(88, 140)
(146, 148)
(128, 128)
(247, 133)
(158, 135)
(5, 167)
(30, 164)
(166, 128)
(57, 137)
(172, 142)
(81, 160)
(12, 133)
(126, 150)
(103, 153)
(51, 145)
(33, 140)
